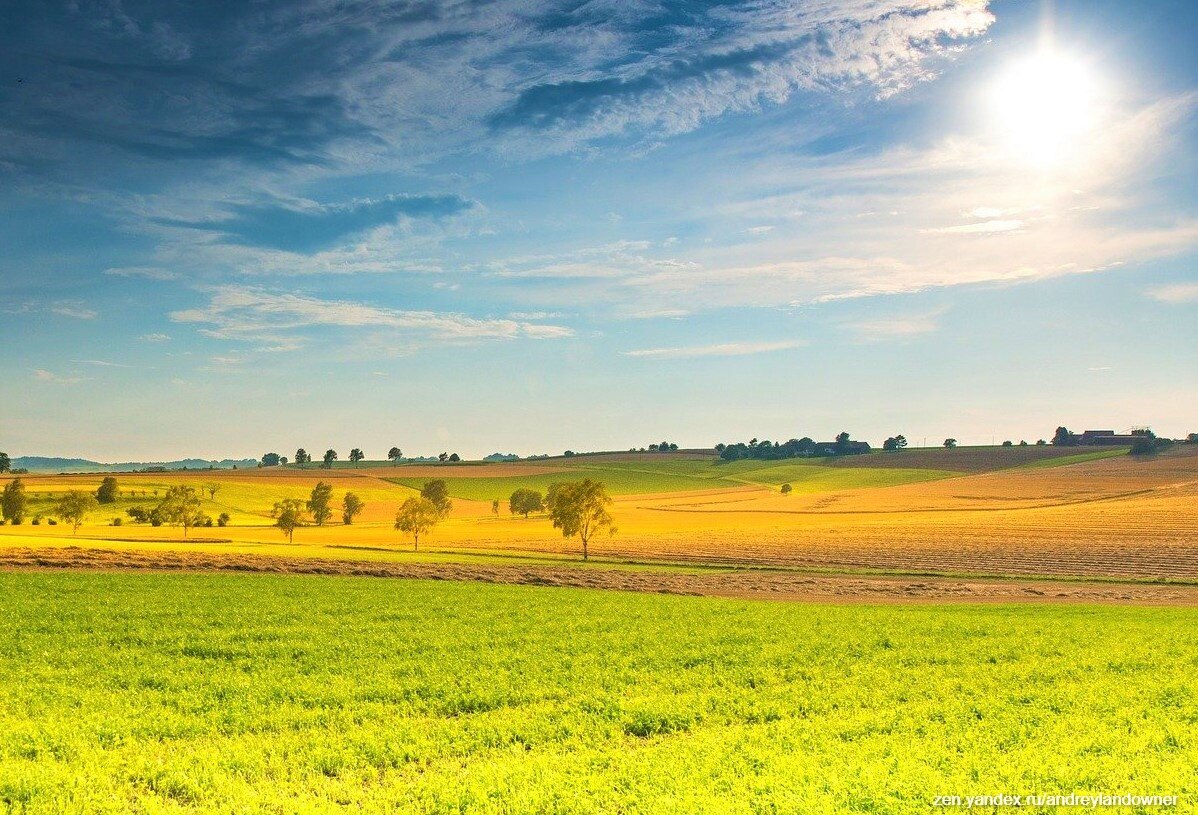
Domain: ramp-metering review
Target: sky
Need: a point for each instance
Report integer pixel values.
(511, 226)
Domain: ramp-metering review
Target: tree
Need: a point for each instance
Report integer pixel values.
(580, 508)
(442, 456)
(842, 442)
(302, 457)
(437, 491)
(786, 489)
(351, 506)
(417, 516)
(329, 457)
(181, 506)
(13, 502)
(1063, 437)
(495, 507)
(212, 488)
(73, 507)
(524, 501)
(270, 459)
(356, 455)
(454, 457)
(394, 455)
(289, 516)
(222, 519)
(1191, 438)
(318, 502)
(1008, 443)
(895, 443)
(108, 491)
(5, 463)
(950, 443)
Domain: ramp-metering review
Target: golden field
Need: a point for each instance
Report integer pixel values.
(1116, 517)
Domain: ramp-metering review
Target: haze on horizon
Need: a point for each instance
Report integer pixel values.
(512, 227)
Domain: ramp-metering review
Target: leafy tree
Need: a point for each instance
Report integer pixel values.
(580, 508)
(394, 455)
(73, 507)
(437, 491)
(351, 506)
(181, 506)
(302, 457)
(1040, 442)
(1008, 443)
(1023, 443)
(495, 507)
(895, 443)
(417, 516)
(108, 491)
(524, 501)
(786, 489)
(270, 459)
(139, 514)
(289, 516)
(319, 501)
(212, 488)
(356, 455)
(1063, 437)
(1191, 438)
(454, 457)
(442, 457)
(329, 457)
(13, 501)
(222, 519)
(5, 463)
(950, 443)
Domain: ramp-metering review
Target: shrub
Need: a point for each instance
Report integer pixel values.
(52, 522)
(37, 521)
(116, 521)
(786, 489)
(222, 519)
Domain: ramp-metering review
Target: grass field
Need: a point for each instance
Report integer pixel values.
(259, 693)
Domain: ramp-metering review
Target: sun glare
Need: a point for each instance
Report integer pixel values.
(1045, 106)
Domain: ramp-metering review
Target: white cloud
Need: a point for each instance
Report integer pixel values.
(895, 328)
(155, 337)
(73, 309)
(726, 349)
(1175, 293)
(145, 272)
(979, 228)
(247, 313)
(48, 376)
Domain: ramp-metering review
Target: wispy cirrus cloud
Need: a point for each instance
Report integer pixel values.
(1175, 293)
(307, 226)
(258, 315)
(74, 309)
(724, 349)
(42, 375)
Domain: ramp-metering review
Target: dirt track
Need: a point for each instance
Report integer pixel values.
(748, 584)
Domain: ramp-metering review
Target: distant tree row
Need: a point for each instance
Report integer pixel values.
(794, 448)
(303, 457)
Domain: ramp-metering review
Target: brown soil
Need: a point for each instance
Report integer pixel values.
(746, 584)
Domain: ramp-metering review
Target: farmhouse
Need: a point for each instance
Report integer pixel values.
(1105, 437)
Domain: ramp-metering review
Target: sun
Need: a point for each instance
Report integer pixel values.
(1045, 106)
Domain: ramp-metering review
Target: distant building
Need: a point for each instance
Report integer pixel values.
(1106, 437)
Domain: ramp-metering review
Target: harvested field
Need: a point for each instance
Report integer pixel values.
(967, 459)
(746, 584)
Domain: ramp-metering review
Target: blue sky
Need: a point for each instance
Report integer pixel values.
(522, 227)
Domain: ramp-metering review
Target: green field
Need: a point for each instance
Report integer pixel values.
(679, 475)
(263, 693)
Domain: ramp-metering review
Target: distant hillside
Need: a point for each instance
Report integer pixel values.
(45, 464)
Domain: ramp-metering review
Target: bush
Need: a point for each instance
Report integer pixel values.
(155, 519)
(52, 522)
(116, 521)
(222, 519)
(37, 521)
(786, 489)
(16, 521)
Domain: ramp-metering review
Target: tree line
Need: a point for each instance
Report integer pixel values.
(805, 447)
